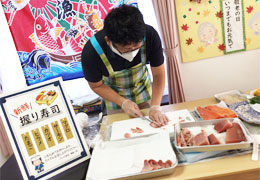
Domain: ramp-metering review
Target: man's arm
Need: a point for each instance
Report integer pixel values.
(158, 84)
(106, 92)
(109, 94)
(155, 112)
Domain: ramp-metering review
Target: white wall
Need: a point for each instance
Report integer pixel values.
(204, 78)
(146, 8)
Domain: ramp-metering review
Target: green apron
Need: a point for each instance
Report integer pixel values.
(133, 83)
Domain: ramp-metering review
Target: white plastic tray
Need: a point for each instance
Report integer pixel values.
(233, 92)
(123, 159)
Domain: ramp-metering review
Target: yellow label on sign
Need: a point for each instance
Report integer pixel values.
(38, 140)
(66, 128)
(48, 137)
(57, 131)
(28, 144)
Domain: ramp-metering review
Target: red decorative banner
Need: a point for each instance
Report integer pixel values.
(49, 34)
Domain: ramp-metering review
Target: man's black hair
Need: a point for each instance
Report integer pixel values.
(124, 25)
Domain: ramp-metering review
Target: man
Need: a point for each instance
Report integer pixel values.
(114, 64)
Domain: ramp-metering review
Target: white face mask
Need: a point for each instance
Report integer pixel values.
(128, 56)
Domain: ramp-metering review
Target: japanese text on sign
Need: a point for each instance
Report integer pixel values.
(35, 116)
(233, 25)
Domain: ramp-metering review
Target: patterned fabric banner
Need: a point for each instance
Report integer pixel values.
(49, 34)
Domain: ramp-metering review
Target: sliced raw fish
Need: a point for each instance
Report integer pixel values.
(222, 126)
(168, 163)
(180, 140)
(185, 138)
(147, 166)
(134, 130)
(139, 130)
(162, 164)
(206, 114)
(213, 139)
(127, 135)
(235, 134)
(201, 139)
(223, 112)
(154, 164)
(215, 112)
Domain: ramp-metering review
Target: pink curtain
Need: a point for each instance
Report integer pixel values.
(4, 141)
(165, 14)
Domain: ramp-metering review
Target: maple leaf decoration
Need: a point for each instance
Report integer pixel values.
(184, 27)
(221, 47)
(248, 41)
(206, 13)
(249, 9)
(219, 14)
(189, 41)
(200, 49)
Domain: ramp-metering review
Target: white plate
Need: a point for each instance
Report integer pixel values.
(246, 112)
(256, 107)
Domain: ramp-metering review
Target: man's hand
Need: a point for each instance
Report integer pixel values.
(158, 116)
(131, 108)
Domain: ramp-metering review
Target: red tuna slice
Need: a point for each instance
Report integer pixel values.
(168, 163)
(213, 139)
(235, 134)
(162, 164)
(139, 130)
(201, 139)
(222, 126)
(147, 166)
(127, 135)
(134, 130)
(154, 164)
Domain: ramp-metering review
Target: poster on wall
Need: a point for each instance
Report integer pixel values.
(49, 35)
(215, 28)
(40, 124)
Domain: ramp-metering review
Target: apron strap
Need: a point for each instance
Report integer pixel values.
(143, 52)
(102, 55)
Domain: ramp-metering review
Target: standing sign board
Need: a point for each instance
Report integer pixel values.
(40, 124)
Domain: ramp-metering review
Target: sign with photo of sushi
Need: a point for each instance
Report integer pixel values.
(41, 127)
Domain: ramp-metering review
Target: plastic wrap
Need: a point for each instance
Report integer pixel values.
(91, 129)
